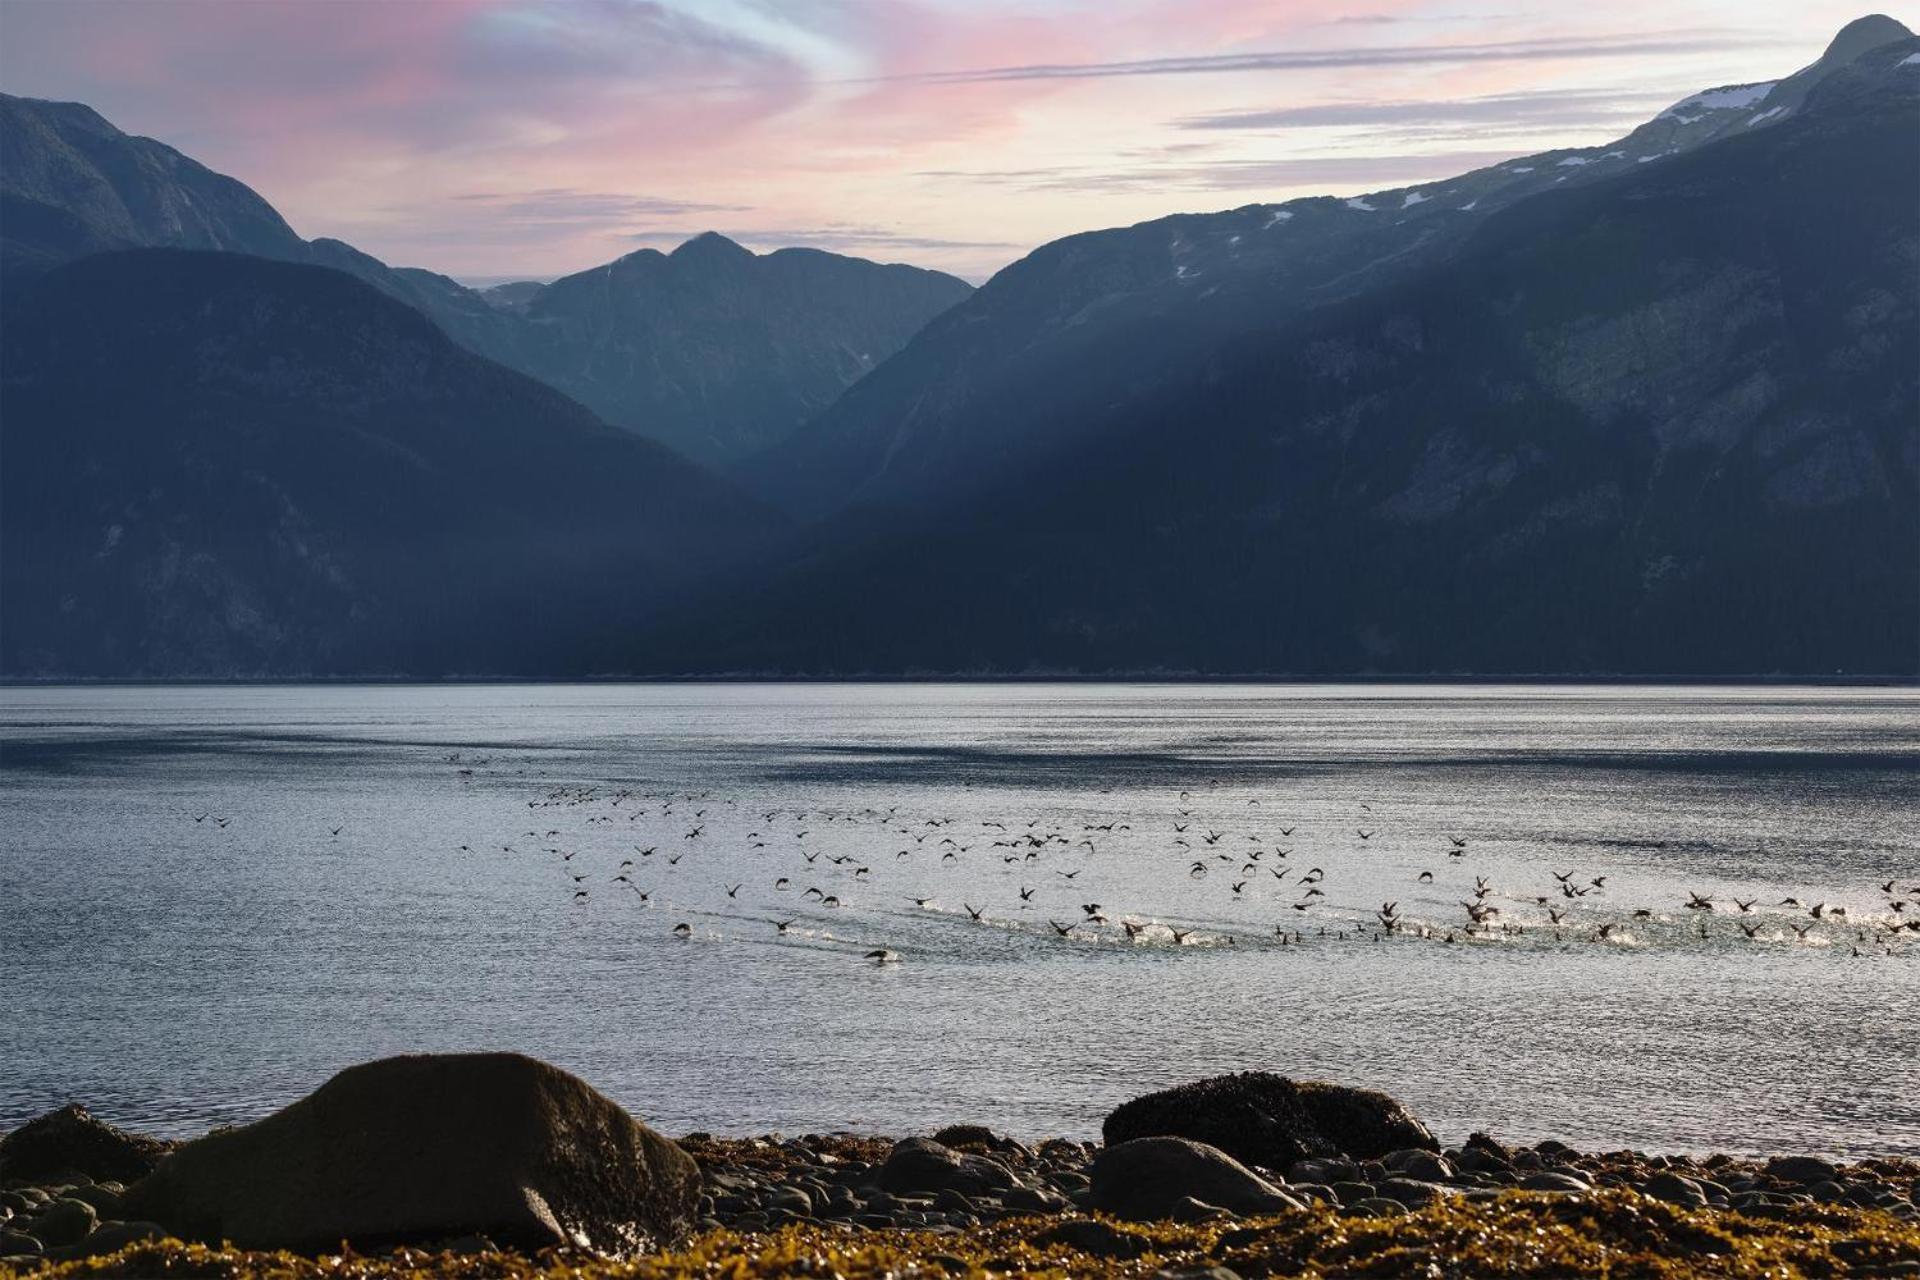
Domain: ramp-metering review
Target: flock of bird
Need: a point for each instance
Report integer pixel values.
(1063, 876)
(814, 863)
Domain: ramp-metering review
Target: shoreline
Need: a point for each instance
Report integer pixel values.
(967, 1201)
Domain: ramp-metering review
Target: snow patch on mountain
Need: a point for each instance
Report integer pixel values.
(1728, 99)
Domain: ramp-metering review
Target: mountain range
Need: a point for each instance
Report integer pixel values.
(222, 464)
(1649, 407)
(712, 350)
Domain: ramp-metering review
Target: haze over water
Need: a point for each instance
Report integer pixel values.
(175, 973)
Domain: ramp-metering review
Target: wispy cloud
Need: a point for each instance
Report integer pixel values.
(1568, 108)
(560, 205)
(540, 137)
(1288, 174)
(1555, 49)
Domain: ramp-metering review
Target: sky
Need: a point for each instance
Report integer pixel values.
(496, 139)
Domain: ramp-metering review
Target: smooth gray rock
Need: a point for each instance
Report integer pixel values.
(1323, 1169)
(925, 1166)
(1410, 1192)
(20, 1244)
(1033, 1200)
(792, 1199)
(1427, 1166)
(65, 1222)
(1802, 1169)
(1674, 1189)
(105, 1201)
(1148, 1177)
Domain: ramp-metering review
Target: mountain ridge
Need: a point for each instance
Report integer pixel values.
(1190, 280)
(224, 465)
(74, 184)
(1655, 412)
(1663, 422)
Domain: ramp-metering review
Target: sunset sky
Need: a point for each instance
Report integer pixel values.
(509, 138)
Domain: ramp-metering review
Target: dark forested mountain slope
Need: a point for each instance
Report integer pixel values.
(214, 465)
(1667, 420)
(1060, 348)
(720, 351)
(712, 349)
(61, 163)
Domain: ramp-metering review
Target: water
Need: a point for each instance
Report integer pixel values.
(184, 941)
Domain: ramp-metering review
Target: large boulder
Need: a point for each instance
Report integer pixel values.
(70, 1141)
(1269, 1120)
(1154, 1177)
(426, 1148)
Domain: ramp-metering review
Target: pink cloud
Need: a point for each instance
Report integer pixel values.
(594, 124)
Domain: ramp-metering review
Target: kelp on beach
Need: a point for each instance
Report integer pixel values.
(1519, 1234)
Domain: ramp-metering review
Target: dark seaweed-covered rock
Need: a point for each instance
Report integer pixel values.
(1269, 1120)
(965, 1135)
(1153, 1177)
(426, 1148)
(70, 1141)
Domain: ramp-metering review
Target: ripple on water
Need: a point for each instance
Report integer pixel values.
(175, 973)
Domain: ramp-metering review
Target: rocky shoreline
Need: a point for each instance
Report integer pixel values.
(1350, 1185)
(963, 1178)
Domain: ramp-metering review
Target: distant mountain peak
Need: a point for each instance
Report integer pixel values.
(72, 113)
(1861, 36)
(712, 245)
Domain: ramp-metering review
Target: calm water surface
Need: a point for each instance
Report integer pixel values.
(186, 940)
